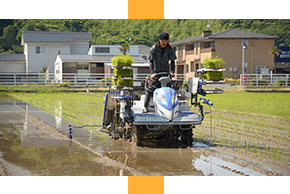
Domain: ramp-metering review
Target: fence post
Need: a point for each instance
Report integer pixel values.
(287, 77)
(46, 78)
(14, 79)
(76, 79)
(257, 81)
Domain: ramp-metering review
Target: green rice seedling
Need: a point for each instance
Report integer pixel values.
(122, 72)
(281, 159)
(124, 60)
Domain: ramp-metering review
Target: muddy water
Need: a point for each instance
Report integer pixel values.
(35, 151)
(29, 150)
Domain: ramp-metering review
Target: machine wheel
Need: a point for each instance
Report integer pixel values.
(136, 135)
(186, 137)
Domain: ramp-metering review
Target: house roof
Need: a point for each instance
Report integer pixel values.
(144, 49)
(226, 34)
(12, 57)
(93, 58)
(54, 37)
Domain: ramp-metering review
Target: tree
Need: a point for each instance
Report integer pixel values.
(8, 38)
(124, 49)
(275, 51)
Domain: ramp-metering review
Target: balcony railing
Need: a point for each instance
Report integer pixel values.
(204, 50)
(189, 52)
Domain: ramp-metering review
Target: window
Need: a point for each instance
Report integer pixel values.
(40, 49)
(181, 50)
(196, 48)
(196, 65)
(102, 50)
(186, 68)
(100, 64)
(189, 47)
(191, 66)
(86, 67)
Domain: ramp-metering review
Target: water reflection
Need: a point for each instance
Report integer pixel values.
(33, 149)
(58, 114)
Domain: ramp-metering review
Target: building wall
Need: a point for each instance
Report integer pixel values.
(9, 67)
(231, 52)
(79, 47)
(25, 52)
(114, 50)
(36, 62)
(107, 69)
(143, 70)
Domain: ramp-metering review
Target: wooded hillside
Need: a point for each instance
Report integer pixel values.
(118, 31)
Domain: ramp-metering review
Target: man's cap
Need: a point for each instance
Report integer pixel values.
(164, 35)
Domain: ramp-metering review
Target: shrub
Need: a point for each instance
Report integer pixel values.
(261, 81)
(230, 80)
(63, 85)
(282, 81)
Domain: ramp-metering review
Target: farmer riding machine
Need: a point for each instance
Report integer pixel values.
(168, 118)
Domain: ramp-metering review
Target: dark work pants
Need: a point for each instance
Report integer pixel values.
(155, 83)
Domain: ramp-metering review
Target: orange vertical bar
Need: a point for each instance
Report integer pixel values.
(145, 184)
(145, 9)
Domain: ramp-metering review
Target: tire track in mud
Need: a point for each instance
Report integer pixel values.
(242, 164)
(61, 135)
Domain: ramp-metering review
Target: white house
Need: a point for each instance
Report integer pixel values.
(98, 60)
(68, 52)
(41, 47)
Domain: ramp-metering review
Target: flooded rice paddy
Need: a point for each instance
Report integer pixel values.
(31, 145)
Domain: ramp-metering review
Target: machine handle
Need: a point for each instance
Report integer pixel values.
(205, 101)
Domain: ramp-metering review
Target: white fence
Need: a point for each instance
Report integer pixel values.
(265, 79)
(67, 78)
